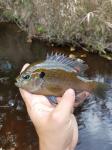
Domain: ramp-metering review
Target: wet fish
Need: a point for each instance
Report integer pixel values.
(56, 74)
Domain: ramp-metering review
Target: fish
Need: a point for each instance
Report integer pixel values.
(57, 73)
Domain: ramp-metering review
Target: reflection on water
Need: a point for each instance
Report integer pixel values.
(95, 124)
(16, 130)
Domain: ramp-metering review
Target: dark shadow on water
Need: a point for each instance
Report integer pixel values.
(16, 130)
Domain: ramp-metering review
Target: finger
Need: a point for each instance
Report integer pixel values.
(24, 67)
(65, 107)
(59, 99)
(80, 98)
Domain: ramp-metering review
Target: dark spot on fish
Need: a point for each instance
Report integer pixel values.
(42, 74)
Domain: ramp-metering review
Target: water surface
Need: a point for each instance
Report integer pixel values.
(16, 130)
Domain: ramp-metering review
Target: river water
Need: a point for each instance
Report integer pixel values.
(16, 130)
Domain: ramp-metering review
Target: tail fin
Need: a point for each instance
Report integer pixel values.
(100, 90)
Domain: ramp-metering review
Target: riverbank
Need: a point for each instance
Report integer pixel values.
(77, 23)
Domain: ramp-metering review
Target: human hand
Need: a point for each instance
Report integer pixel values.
(55, 126)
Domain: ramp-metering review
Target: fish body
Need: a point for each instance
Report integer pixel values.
(55, 75)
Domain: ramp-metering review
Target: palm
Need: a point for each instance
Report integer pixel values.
(40, 100)
(40, 105)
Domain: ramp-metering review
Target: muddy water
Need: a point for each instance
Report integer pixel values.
(16, 130)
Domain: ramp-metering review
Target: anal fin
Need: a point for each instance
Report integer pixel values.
(52, 99)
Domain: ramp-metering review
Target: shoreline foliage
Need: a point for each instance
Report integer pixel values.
(85, 22)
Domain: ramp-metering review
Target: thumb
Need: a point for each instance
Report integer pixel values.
(66, 105)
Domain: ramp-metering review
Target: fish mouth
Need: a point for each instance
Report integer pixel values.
(17, 83)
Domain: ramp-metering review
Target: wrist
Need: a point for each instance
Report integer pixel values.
(44, 145)
(47, 145)
(50, 144)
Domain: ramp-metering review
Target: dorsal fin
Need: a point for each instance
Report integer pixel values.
(78, 65)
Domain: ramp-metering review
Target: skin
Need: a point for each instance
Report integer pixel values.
(56, 126)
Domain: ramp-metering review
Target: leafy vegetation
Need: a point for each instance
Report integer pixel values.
(88, 22)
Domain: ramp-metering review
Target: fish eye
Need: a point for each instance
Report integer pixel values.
(42, 74)
(26, 77)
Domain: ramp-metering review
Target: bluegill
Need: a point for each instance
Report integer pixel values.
(56, 74)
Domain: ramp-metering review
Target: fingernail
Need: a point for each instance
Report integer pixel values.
(71, 92)
(87, 94)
